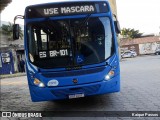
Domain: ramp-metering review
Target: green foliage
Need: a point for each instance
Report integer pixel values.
(130, 33)
(8, 31)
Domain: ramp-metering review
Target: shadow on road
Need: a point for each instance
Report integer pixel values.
(93, 103)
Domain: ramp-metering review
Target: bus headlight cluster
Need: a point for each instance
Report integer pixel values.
(109, 75)
(38, 83)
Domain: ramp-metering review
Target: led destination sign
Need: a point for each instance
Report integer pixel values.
(68, 10)
(49, 10)
(54, 53)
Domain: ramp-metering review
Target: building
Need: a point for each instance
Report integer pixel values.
(6, 56)
(143, 45)
(10, 51)
(14, 51)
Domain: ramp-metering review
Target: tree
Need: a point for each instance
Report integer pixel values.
(130, 33)
(8, 31)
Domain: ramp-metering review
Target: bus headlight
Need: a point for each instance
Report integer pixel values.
(109, 75)
(38, 83)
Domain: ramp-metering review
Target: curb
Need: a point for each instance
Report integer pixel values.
(12, 75)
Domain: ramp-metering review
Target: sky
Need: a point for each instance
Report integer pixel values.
(142, 15)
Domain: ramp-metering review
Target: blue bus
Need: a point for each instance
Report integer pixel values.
(71, 49)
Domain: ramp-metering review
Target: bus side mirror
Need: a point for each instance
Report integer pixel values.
(117, 27)
(15, 31)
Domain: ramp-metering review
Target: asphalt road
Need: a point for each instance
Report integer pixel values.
(140, 91)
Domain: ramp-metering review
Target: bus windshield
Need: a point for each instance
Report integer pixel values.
(69, 42)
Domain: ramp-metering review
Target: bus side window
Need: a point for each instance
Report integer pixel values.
(33, 38)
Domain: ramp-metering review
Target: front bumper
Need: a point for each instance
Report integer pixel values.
(57, 93)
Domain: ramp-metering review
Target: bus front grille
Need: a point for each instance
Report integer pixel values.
(87, 90)
(73, 73)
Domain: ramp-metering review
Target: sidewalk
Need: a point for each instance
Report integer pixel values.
(12, 75)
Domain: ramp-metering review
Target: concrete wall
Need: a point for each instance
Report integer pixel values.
(148, 48)
(142, 49)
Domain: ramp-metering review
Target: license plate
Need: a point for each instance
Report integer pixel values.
(76, 96)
